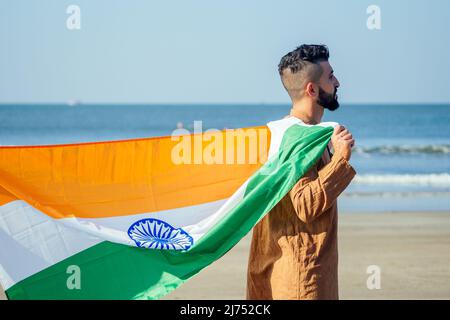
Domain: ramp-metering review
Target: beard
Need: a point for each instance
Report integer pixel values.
(327, 100)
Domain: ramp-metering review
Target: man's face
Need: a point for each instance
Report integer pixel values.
(328, 85)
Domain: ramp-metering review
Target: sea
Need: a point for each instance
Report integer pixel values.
(401, 155)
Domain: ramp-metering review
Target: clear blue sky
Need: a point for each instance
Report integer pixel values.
(192, 51)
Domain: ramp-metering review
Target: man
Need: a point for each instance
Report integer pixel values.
(294, 250)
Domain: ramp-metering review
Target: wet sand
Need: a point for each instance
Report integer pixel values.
(412, 251)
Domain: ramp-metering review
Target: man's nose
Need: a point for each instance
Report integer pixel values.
(337, 85)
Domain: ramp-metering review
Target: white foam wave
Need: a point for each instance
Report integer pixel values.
(405, 149)
(441, 179)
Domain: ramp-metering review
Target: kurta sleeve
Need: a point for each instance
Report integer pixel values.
(317, 190)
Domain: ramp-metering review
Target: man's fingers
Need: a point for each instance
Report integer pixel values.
(350, 142)
(348, 136)
(338, 129)
(342, 133)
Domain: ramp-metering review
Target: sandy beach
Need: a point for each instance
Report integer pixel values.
(412, 251)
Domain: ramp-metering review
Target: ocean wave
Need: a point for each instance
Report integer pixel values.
(405, 149)
(397, 194)
(439, 179)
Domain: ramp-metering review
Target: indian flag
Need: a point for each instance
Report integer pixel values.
(134, 219)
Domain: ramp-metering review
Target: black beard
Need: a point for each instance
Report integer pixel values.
(328, 101)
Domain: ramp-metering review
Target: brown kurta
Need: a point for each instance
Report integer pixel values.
(294, 250)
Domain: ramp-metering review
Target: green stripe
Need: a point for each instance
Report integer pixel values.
(115, 271)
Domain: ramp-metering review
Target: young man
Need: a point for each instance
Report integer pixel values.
(294, 250)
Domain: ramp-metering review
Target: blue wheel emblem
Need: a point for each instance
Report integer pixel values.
(157, 234)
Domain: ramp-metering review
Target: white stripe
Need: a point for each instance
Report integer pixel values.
(278, 129)
(191, 219)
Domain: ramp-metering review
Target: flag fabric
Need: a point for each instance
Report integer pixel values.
(134, 219)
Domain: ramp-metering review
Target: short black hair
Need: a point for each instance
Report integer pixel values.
(295, 60)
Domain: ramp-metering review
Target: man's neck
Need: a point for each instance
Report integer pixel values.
(308, 113)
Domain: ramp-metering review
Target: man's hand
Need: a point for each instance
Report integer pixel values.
(342, 141)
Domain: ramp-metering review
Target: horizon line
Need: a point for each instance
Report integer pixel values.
(80, 103)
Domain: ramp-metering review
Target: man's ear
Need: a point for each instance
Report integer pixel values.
(311, 90)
